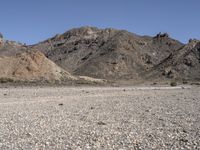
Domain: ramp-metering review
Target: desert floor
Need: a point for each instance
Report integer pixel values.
(100, 117)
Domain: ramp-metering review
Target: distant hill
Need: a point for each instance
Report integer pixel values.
(33, 66)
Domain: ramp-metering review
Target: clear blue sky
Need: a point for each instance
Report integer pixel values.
(30, 21)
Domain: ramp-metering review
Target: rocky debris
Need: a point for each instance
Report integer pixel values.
(101, 123)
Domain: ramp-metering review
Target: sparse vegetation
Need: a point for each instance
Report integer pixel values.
(6, 80)
(185, 82)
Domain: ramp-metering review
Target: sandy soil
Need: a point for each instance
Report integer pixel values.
(100, 118)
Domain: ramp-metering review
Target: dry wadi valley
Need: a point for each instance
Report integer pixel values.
(100, 89)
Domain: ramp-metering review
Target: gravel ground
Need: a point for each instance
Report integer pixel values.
(99, 118)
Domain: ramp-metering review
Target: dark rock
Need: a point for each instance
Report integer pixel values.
(101, 123)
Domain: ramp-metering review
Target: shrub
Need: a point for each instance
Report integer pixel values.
(173, 83)
(6, 80)
(185, 82)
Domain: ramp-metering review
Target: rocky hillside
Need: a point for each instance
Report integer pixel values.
(119, 54)
(31, 66)
(183, 63)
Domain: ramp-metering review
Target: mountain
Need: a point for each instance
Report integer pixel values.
(115, 55)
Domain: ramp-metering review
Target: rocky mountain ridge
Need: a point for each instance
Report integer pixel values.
(117, 55)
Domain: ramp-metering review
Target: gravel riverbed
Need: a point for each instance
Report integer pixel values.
(101, 118)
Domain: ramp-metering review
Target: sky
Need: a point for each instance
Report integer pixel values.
(31, 21)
